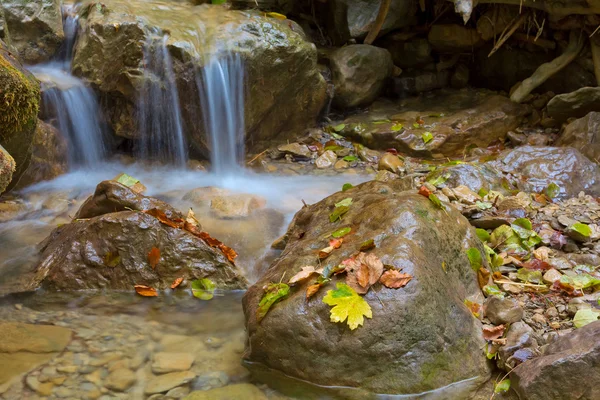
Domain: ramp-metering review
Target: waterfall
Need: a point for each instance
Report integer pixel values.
(160, 121)
(221, 88)
(72, 103)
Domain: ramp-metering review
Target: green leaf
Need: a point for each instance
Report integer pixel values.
(332, 269)
(585, 316)
(350, 158)
(339, 128)
(483, 205)
(436, 202)
(204, 289)
(582, 229)
(334, 148)
(492, 290)
(502, 386)
(397, 127)
(337, 213)
(347, 305)
(218, 1)
(504, 236)
(439, 180)
(427, 137)
(347, 202)
(529, 275)
(523, 223)
(488, 354)
(336, 136)
(475, 258)
(273, 293)
(347, 186)
(415, 125)
(341, 232)
(584, 281)
(127, 180)
(483, 192)
(381, 121)
(482, 234)
(552, 190)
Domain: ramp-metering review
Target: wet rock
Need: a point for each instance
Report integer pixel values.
(390, 162)
(210, 380)
(474, 176)
(452, 38)
(502, 311)
(583, 134)
(36, 28)
(409, 54)
(465, 195)
(419, 81)
(575, 104)
(275, 54)
(244, 391)
(326, 160)
(537, 167)
(166, 382)
(565, 370)
(426, 315)
(120, 379)
(385, 176)
(236, 205)
(48, 158)
(359, 74)
(460, 76)
(18, 120)
(7, 167)
(368, 155)
(296, 149)
(341, 164)
(170, 362)
(521, 345)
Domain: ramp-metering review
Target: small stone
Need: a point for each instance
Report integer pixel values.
(178, 392)
(390, 162)
(341, 164)
(120, 380)
(171, 362)
(59, 380)
(210, 380)
(296, 149)
(466, 195)
(139, 358)
(386, 176)
(551, 276)
(326, 160)
(539, 318)
(95, 377)
(19, 306)
(551, 312)
(502, 311)
(67, 369)
(166, 382)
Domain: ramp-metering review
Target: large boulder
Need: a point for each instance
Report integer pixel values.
(110, 49)
(7, 168)
(112, 250)
(575, 104)
(421, 337)
(359, 74)
(19, 105)
(568, 369)
(584, 135)
(36, 28)
(537, 167)
(48, 158)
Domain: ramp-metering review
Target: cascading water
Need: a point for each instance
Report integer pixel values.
(221, 88)
(73, 104)
(160, 121)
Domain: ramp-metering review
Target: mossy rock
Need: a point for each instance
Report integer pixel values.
(19, 106)
(7, 167)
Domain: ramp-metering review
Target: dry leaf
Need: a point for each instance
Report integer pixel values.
(394, 279)
(145, 291)
(336, 243)
(491, 333)
(312, 290)
(423, 191)
(542, 253)
(483, 277)
(362, 275)
(305, 273)
(324, 253)
(176, 283)
(191, 218)
(154, 257)
(367, 267)
(162, 217)
(212, 242)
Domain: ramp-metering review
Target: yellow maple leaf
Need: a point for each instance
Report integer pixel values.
(347, 304)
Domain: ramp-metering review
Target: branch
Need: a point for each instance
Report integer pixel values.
(376, 28)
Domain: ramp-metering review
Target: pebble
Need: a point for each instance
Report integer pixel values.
(171, 362)
(326, 160)
(551, 276)
(502, 311)
(120, 379)
(210, 380)
(166, 382)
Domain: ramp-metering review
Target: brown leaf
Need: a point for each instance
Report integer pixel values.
(491, 333)
(191, 218)
(537, 265)
(154, 257)
(395, 279)
(483, 277)
(362, 275)
(162, 217)
(305, 273)
(312, 290)
(324, 253)
(145, 291)
(358, 267)
(475, 308)
(336, 243)
(212, 242)
(423, 191)
(176, 283)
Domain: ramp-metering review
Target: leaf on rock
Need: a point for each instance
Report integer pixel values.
(131, 182)
(436, 202)
(154, 257)
(363, 271)
(339, 128)
(483, 235)
(276, 15)
(341, 232)
(475, 258)
(585, 316)
(347, 186)
(350, 158)
(337, 213)
(227, 251)
(475, 308)
(427, 137)
(483, 277)
(304, 274)
(325, 252)
(204, 289)
(490, 333)
(396, 127)
(347, 202)
(492, 290)
(162, 217)
(347, 305)
(333, 269)
(538, 265)
(145, 291)
(274, 292)
(176, 282)
(312, 290)
(367, 245)
(582, 229)
(438, 181)
(191, 218)
(552, 190)
(112, 259)
(395, 279)
(423, 191)
(502, 387)
(529, 275)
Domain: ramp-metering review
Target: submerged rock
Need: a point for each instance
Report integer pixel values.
(584, 135)
(244, 391)
(36, 28)
(421, 337)
(7, 167)
(107, 247)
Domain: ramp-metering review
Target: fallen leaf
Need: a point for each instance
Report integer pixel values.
(475, 308)
(341, 232)
(427, 137)
(154, 257)
(552, 190)
(502, 387)
(585, 316)
(492, 290)
(325, 252)
(350, 158)
(112, 259)
(274, 292)
(347, 305)
(145, 291)
(394, 279)
(396, 127)
(538, 265)
(339, 128)
(483, 277)
(475, 258)
(347, 202)
(436, 202)
(191, 218)
(367, 245)
(162, 217)
(337, 213)
(305, 273)
(312, 290)
(423, 191)
(490, 333)
(176, 282)
(363, 271)
(336, 243)
(212, 242)
(204, 289)
(131, 182)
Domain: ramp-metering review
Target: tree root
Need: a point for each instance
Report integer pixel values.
(506, 35)
(596, 58)
(545, 71)
(379, 21)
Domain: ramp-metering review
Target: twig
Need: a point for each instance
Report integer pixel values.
(595, 30)
(508, 34)
(522, 284)
(256, 156)
(379, 21)
(596, 59)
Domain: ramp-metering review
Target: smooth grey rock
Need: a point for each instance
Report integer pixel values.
(575, 104)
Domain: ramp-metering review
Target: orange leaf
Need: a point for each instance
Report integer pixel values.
(475, 308)
(212, 242)
(362, 275)
(312, 290)
(363, 271)
(162, 217)
(145, 291)
(324, 253)
(491, 333)
(305, 273)
(228, 252)
(176, 283)
(336, 243)
(395, 279)
(423, 191)
(154, 257)
(483, 277)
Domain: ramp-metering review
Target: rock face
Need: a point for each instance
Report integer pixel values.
(575, 104)
(359, 74)
(20, 97)
(273, 51)
(537, 167)
(568, 369)
(49, 156)
(36, 28)
(111, 250)
(584, 135)
(421, 338)
(7, 167)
